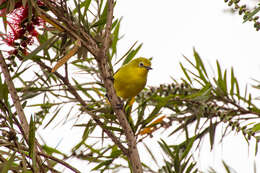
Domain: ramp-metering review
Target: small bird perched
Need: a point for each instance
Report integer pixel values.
(131, 78)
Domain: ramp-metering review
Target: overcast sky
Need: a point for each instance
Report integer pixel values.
(169, 29)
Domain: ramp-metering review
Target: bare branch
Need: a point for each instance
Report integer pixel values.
(18, 105)
(75, 31)
(14, 96)
(107, 38)
(106, 74)
(59, 161)
(73, 91)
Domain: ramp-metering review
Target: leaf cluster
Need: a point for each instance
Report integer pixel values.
(249, 14)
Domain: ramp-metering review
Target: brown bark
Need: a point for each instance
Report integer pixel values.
(100, 53)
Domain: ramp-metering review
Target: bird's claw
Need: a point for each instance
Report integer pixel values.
(111, 78)
(119, 105)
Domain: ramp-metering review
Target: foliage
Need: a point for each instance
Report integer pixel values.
(195, 106)
(249, 14)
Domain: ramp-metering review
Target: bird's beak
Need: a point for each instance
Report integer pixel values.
(148, 68)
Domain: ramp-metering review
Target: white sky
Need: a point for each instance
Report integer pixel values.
(169, 29)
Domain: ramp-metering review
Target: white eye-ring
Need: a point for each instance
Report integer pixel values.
(141, 64)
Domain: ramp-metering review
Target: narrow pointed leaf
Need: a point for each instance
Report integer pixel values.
(9, 163)
(185, 73)
(151, 154)
(132, 54)
(251, 14)
(41, 47)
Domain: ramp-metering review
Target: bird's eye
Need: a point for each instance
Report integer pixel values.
(141, 64)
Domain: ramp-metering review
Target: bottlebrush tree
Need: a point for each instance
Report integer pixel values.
(57, 62)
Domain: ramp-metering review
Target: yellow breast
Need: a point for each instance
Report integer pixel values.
(129, 80)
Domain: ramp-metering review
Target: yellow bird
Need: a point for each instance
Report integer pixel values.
(131, 78)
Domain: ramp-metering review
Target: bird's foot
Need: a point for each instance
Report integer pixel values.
(111, 78)
(119, 105)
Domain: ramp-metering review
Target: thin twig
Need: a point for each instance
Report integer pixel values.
(22, 149)
(70, 28)
(18, 106)
(14, 96)
(59, 161)
(106, 42)
(74, 92)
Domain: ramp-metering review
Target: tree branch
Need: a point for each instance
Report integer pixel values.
(106, 74)
(75, 31)
(14, 96)
(23, 148)
(106, 41)
(59, 161)
(73, 91)
(18, 106)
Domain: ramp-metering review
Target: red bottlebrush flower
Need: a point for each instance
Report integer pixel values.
(13, 52)
(21, 32)
(30, 27)
(24, 44)
(34, 33)
(14, 21)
